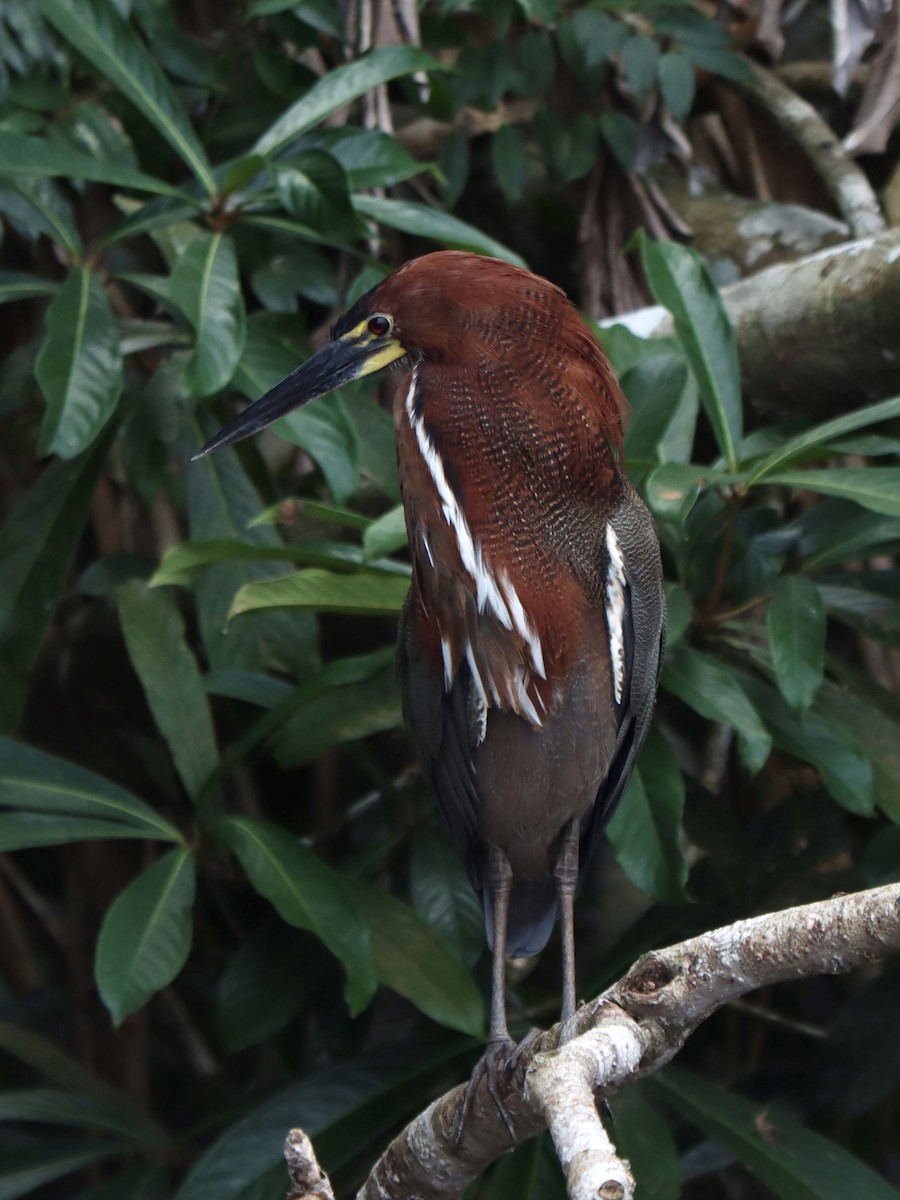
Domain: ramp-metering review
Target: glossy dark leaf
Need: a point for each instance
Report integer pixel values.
(386, 534)
(875, 488)
(796, 622)
(441, 227)
(31, 156)
(338, 1106)
(645, 830)
(146, 934)
(640, 59)
(263, 987)
(38, 782)
(24, 1169)
(512, 163)
(530, 1172)
(443, 895)
(307, 894)
(205, 286)
(96, 30)
(339, 87)
(681, 281)
(794, 1162)
(37, 205)
(169, 674)
(417, 962)
(222, 503)
(37, 546)
(645, 1139)
(676, 82)
(706, 685)
(367, 593)
(20, 285)
(342, 713)
(79, 366)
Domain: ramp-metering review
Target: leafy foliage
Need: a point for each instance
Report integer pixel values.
(201, 760)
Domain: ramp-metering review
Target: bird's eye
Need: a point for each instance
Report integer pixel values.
(379, 325)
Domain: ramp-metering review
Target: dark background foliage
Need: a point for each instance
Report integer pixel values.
(227, 906)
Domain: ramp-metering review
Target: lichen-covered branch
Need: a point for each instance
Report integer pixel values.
(630, 1031)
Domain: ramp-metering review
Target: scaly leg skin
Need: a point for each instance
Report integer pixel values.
(500, 1045)
(566, 873)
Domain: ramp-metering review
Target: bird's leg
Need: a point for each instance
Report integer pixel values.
(500, 1044)
(566, 875)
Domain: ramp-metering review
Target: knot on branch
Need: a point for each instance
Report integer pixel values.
(649, 976)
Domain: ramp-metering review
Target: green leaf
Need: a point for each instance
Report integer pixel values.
(367, 593)
(512, 162)
(828, 746)
(821, 435)
(373, 159)
(27, 830)
(640, 58)
(185, 558)
(796, 622)
(680, 280)
(338, 1105)
(342, 713)
(443, 896)
(871, 717)
(645, 1139)
(222, 502)
(19, 285)
(37, 546)
(31, 156)
(40, 783)
(529, 1172)
(622, 135)
(672, 489)
(313, 187)
(154, 635)
(96, 30)
(52, 1106)
(426, 222)
(386, 534)
(307, 894)
(146, 934)
(711, 689)
(39, 206)
(795, 1163)
(341, 86)
(24, 1169)
(676, 82)
(206, 286)
(875, 488)
(79, 366)
(415, 961)
(645, 830)
(263, 987)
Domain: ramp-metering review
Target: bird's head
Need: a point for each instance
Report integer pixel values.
(448, 306)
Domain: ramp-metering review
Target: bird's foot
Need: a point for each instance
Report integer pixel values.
(493, 1062)
(521, 1049)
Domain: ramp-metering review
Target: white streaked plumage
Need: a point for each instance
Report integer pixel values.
(493, 594)
(616, 583)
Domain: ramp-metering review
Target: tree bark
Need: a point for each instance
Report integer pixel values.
(630, 1031)
(817, 336)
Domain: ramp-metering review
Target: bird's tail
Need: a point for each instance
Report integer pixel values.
(532, 912)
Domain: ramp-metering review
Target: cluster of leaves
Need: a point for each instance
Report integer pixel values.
(224, 894)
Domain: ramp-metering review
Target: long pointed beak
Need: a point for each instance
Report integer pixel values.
(338, 362)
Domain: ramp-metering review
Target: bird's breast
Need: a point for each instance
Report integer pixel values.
(506, 526)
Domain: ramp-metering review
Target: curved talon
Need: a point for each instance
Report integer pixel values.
(496, 1057)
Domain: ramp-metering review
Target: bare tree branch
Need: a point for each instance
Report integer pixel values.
(846, 182)
(630, 1031)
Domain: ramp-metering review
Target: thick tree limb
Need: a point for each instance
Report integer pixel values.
(815, 336)
(630, 1031)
